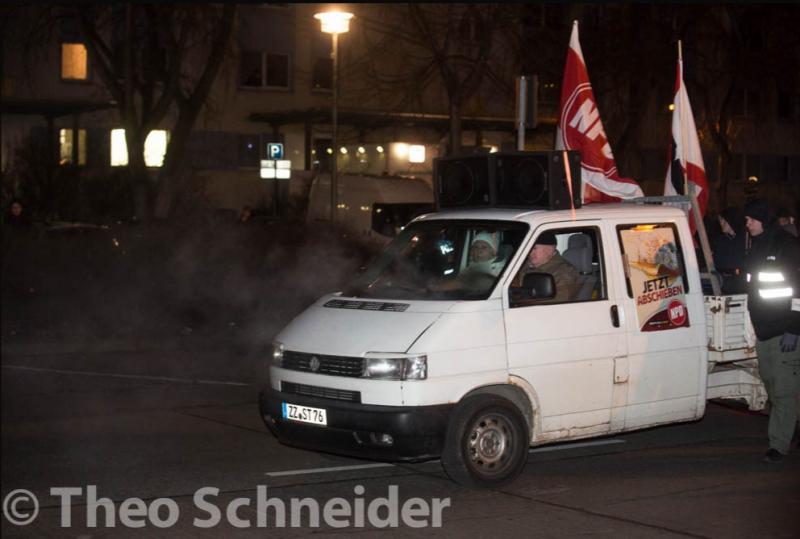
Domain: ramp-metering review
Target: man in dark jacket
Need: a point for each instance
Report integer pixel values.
(773, 294)
(545, 258)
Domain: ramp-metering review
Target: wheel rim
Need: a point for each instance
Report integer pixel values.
(490, 444)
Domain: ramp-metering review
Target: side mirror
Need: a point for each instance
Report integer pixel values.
(535, 286)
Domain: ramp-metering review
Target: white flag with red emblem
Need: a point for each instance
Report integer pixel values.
(580, 128)
(685, 158)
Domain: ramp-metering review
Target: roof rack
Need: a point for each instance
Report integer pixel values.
(658, 199)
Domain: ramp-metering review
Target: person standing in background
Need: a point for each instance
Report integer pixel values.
(773, 295)
(728, 249)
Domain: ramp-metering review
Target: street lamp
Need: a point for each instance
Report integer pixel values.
(334, 23)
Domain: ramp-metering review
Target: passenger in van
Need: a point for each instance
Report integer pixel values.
(483, 248)
(482, 266)
(544, 258)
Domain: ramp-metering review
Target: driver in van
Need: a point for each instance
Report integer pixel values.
(544, 258)
(483, 249)
(482, 265)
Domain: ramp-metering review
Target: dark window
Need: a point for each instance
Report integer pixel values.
(259, 69)
(278, 70)
(250, 69)
(322, 76)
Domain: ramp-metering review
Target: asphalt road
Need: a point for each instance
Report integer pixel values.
(163, 423)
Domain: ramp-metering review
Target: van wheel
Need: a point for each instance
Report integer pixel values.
(486, 444)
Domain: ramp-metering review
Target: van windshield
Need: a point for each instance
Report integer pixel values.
(442, 260)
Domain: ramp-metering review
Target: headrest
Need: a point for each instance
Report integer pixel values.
(578, 241)
(579, 252)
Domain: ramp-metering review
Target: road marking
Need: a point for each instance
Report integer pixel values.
(575, 445)
(127, 376)
(331, 469)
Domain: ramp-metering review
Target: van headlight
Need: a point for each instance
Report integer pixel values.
(384, 367)
(276, 353)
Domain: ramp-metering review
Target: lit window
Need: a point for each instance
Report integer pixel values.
(119, 150)
(74, 64)
(155, 146)
(400, 149)
(416, 153)
(66, 141)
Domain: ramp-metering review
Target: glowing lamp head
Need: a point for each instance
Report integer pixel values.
(334, 22)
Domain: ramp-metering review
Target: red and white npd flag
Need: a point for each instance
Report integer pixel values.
(685, 158)
(580, 128)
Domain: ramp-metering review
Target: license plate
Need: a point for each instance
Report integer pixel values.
(305, 414)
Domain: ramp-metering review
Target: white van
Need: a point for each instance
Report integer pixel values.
(433, 353)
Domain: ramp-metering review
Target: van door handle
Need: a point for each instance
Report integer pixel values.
(614, 316)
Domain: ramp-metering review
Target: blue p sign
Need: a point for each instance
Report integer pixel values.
(275, 150)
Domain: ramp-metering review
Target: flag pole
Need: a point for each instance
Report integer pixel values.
(680, 119)
(689, 190)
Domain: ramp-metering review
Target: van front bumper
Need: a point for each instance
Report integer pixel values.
(417, 432)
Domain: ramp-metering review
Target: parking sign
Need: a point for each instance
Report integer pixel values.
(275, 150)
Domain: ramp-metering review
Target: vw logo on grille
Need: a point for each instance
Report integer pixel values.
(313, 364)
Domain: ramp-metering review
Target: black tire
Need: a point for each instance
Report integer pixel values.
(486, 444)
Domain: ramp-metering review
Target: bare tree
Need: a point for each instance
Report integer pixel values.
(454, 46)
(158, 64)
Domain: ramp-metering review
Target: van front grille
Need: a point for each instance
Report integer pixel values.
(321, 392)
(322, 364)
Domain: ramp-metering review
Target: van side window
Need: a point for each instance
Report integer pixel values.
(573, 257)
(652, 258)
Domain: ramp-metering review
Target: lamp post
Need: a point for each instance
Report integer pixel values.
(334, 23)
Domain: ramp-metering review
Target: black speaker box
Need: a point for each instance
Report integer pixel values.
(508, 180)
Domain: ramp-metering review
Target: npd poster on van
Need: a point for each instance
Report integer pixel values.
(656, 277)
